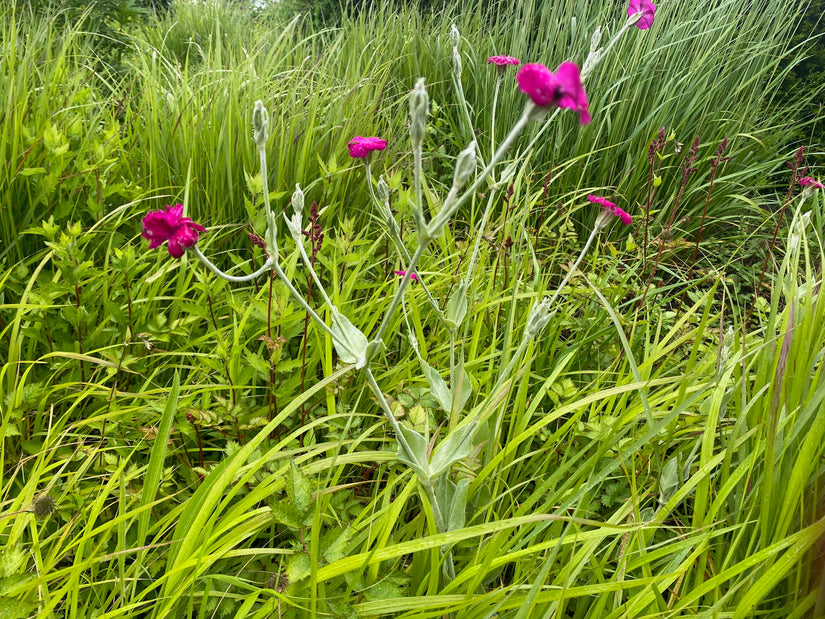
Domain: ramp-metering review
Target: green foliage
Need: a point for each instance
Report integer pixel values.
(168, 450)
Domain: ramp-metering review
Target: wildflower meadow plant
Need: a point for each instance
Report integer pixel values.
(171, 227)
(431, 461)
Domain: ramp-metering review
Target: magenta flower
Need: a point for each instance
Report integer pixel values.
(807, 181)
(611, 208)
(170, 225)
(361, 147)
(562, 88)
(413, 276)
(502, 60)
(646, 8)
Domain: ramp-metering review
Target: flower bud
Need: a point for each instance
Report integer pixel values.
(455, 36)
(419, 107)
(298, 200)
(383, 190)
(596, 39)
(539, 317)
(465, 166)
(456, 62)
(260, 124)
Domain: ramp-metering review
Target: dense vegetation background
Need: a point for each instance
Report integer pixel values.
(176, 446)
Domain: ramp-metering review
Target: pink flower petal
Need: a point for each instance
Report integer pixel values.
(360, 147)
(646, 8)
(169, 225)
(563, 88)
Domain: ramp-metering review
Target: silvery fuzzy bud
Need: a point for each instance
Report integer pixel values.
(593, 58)
(465, 166)
(294, 226)
(298, 200)
(419, 107)
(383, 190)
(573, 28)
(455, 36)
(260, 124)
(271, 235)
(596, 39)
(539, 317)
(456, 62)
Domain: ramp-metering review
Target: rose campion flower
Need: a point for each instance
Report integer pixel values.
(562, 88)
(611, 208)
(807, 181)
(646, 8)
(170, 225)
(413, 276)
(502, 60)
(361, 147)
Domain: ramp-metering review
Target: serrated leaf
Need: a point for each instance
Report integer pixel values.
(14, 609)
(298, 488)
(337, 545)
(298, 567)
(452, 449)
(417, 460)
(438, 387)
(32, 171)
(287, 514)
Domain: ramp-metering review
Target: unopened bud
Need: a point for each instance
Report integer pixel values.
(465, 166)
(298, 200)
(596, 39)
(383, 190)
(260, 124)
(419, 107)
(539, 317)
(455, 36)
(457, 62)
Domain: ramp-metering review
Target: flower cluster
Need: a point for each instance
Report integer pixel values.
(646, 8)
(360, 147)
(562, 88)
(170, 225)
(612, 209)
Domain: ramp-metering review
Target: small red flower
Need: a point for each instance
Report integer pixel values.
(646, 8)
(361, 147)
(413, 276)
(807, 181)
(170, 225)
(502, 60)
(562, 88)
(612, 209)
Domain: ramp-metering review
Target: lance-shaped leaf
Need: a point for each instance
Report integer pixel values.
(456, 308)
(438, 387)
(452, 449)
(452, 501)
(463, 388)
(350, 343)
(416, 456)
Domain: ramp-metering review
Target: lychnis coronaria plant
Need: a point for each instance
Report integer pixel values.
(546, 92)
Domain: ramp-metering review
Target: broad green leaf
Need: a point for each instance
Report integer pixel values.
(352, 347)
(417, 460)
(438, 387)
(452, 449)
